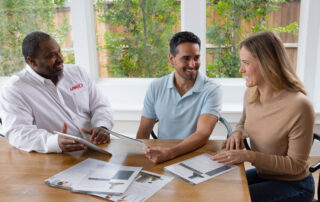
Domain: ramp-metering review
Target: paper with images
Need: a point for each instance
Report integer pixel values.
(107, 178)
(145, 185)
(65, 179)
(93, 175)
(198, 169)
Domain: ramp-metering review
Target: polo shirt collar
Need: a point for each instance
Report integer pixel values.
(199, 84)
(170, 83)
(197, 87)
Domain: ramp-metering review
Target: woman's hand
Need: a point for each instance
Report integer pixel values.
(234, 142)
(234, 157)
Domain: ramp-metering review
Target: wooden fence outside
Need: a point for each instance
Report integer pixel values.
(285, 15)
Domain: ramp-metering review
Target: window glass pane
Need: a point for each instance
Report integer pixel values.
(133, 36)
(20, 17)
(231, 21)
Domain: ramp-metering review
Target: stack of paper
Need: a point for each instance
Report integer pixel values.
(110, 181)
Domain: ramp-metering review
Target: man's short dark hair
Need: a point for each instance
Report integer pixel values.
(182, 37)
(31, 42)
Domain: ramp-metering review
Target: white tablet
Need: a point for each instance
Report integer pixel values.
(83, 141)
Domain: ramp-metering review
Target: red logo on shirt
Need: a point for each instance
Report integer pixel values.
(79, 85)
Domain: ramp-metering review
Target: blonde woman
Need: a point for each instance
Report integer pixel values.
(278, 118)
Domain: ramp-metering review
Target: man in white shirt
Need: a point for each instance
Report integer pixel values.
(49, 96)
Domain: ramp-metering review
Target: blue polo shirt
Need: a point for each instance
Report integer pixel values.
(178, 115)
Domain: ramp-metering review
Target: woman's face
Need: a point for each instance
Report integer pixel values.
(250, 69)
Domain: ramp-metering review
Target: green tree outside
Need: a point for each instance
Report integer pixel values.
(226, 31)
(20, 17)
(141, 50)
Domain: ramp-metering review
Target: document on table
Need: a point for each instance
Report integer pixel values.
(67, 178)
(198, 169)
(107, 178)
(96, 176)
(145, 185)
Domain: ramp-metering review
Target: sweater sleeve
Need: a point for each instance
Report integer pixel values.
(299, 145)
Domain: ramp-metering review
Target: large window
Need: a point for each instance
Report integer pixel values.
(231, 21)
(133, 36)
(20, 17)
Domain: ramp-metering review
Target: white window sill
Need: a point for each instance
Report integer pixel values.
(126, 96)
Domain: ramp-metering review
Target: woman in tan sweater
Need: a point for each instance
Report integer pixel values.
(278, 118)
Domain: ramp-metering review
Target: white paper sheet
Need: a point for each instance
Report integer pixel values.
(96, 176)
(145, 185)
(198, 169)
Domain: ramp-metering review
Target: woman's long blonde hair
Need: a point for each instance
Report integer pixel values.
(274, 64)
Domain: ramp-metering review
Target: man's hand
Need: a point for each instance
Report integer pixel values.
(234, 142)
(99, 135)
(69, 145)
(157, 154)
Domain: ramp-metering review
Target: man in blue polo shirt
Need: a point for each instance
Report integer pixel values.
(186, 103)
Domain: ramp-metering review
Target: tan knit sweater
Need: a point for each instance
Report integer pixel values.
(280, 131)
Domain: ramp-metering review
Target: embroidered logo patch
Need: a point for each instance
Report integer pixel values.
(79, 85)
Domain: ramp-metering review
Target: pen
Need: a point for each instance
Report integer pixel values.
(98, 179)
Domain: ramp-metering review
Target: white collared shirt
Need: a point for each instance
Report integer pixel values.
(32, 107)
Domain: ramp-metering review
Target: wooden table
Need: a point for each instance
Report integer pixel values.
(22, 174)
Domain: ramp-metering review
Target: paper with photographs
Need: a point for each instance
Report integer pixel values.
(65, 179)
(107, 178)
(97, 176)
(145, 185)
(198, 169)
